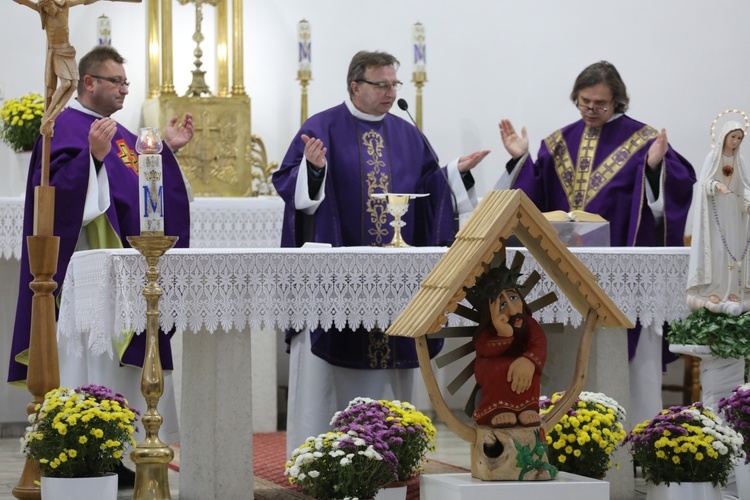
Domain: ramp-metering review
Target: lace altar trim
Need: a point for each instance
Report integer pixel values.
(11, 227)
(232, 290)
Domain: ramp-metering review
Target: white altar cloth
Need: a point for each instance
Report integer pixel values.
(11, 225)
(224, 289)
(214, 223)
(230, 292)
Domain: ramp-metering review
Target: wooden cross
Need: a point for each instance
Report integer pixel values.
(61, 80)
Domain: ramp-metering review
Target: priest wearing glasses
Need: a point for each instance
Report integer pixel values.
(338, 159)
(609, 164)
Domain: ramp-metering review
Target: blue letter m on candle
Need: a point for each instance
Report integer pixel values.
(305, 50)
(152, 204)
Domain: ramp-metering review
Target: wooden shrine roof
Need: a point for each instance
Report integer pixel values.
(498, 215)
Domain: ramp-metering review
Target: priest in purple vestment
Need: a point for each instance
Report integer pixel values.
(612, 165)
(94, 170)
(337, 160)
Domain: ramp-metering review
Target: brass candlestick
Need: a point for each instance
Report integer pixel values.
(419, 79)
(304, 78)
(152, 456)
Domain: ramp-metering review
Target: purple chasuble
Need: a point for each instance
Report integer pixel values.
(70, 162)
(366, 157)
(615, 187)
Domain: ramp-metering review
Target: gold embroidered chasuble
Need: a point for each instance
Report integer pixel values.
(583, 181)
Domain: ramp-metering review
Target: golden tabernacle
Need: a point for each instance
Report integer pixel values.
(224, 158)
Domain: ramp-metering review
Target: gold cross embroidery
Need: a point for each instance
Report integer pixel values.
(127, 155)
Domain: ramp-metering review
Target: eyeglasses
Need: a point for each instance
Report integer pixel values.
(383, 86)
(595, 109)
(115, 81)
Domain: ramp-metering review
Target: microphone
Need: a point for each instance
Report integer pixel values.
(405, 107)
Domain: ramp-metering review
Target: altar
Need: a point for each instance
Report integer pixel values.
(216, 298)
(214, 222)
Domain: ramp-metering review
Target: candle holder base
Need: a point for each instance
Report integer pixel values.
(152, 456)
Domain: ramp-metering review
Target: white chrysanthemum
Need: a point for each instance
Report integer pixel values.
(359, 442)
(293, 471)
(305, 458)
(345, 461)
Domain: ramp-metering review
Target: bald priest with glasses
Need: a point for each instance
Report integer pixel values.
(609, 164)
(338, 158)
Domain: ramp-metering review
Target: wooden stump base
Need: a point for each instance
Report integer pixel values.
(496, 454)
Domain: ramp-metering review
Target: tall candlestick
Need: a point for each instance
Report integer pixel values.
(150, 181)
(304, 46)
(304, 73)
(420, 49)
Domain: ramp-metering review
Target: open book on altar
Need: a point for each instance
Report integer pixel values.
(576, 229)
(573, 216)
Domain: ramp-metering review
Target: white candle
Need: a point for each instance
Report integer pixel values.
(304, 46)
(104, 29)
(150, 181)
(420, 49)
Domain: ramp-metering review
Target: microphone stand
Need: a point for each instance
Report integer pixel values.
(404, 106)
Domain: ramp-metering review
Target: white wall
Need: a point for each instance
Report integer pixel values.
(486, 60)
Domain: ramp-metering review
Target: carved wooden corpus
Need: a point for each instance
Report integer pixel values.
(496, 453)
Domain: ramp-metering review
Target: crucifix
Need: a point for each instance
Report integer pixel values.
(61, 80)
(198, 86)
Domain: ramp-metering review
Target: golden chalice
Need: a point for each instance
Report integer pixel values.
(397, 206)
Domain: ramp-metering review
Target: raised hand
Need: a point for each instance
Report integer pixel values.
(178, 136)
(315, 151)
(658, 149)
(515, 145)
(466, 163)
(100, 137)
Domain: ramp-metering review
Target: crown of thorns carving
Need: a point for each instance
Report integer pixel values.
(490, 284)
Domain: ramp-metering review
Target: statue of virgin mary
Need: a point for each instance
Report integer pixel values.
(718, 273)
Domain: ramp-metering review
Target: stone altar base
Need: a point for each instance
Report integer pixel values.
(464, 487)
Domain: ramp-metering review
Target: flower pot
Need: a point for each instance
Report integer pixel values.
(18, 173)
(392, 491)
(683, 491)
(80, 488)
(742, 476)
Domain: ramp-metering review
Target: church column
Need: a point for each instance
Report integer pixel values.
(238, 87)
(222, 48)
(167, 86)
(153, 49)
